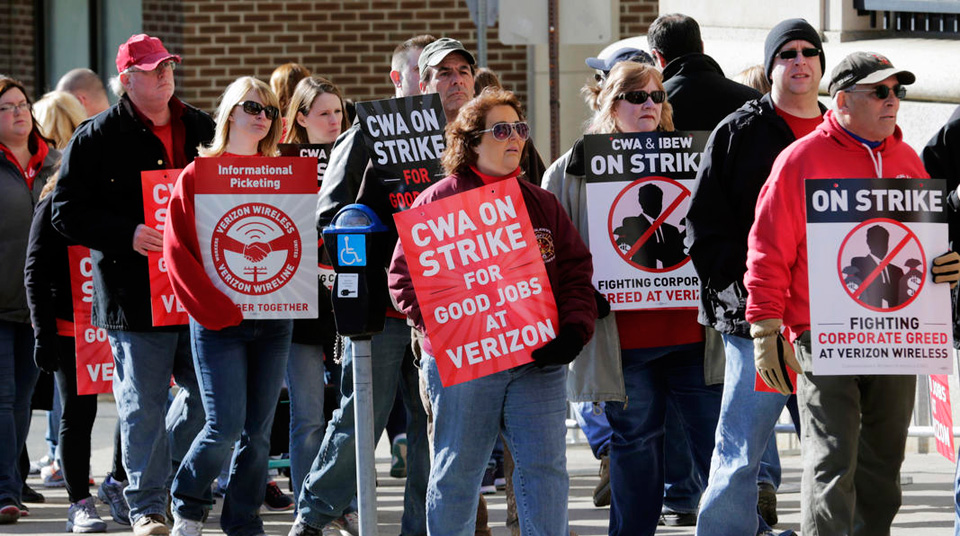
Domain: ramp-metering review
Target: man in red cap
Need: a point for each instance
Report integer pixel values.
(98, 203)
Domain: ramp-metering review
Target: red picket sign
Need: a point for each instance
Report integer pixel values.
(480, 280)
(157, 186)
(942, 415)
(94, 356)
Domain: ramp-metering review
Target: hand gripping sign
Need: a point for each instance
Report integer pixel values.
(405, 139)
(157, 186)
(638, 193)
(255, 218)
(480, 280)
(873, 307)
(94, 357)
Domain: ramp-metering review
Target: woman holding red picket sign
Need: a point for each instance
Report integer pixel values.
(526, 403)
(240, 363)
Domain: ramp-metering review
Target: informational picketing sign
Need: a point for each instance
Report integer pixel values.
(320, 151)
(874, 308)
(405, 139)
(255, 219)
(157, 186)
(480, 280)
(638, 193)
(942, 415)
(94, 357)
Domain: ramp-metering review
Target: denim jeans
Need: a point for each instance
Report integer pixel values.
(528, 405)
(18, 375)
(594, 426)
(240, 369)
(153, 441)
(747, 420)
(682, 484)
(652, 376)
(53, 427)
(305, 384)
(331, 484)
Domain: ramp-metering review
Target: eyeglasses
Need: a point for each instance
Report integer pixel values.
(158, 70)
(501, 131)
(640, 97)
(792, 53)
(254, 108)
(882, 92)
(22, 107)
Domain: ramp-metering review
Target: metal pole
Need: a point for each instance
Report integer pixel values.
(553, 39)
(482, 33)
(363, 419)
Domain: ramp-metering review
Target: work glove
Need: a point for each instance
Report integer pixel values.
(603, 306)
(946, 268)
(46, 356)
(772, 354)
(559, 351)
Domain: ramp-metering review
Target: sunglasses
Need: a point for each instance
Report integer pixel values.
(501, 131)
(882, 91)
(254, 108)
(792, 53)
(640, 97)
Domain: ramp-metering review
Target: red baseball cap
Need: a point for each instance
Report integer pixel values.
(143, 52)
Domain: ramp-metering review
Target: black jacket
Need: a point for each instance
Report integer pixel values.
(47, 277)
(735, 165)
(98, 203)
(699, 93)
(941, 157)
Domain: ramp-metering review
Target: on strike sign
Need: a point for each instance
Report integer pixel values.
(874, 308)
(942, 414)
(638, 193)
(255, 225)
(480, 280)
(94, 356)
(157, 186)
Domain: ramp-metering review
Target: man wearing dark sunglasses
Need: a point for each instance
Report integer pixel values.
(735, 166)
(98, 203)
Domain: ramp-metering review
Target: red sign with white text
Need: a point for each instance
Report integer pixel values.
(480, 280)
(157, 186)
(942, 415)
(94, 357)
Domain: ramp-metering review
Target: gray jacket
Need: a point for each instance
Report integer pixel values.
(597, 373)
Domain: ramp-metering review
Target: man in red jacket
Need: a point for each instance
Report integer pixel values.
(850, 422)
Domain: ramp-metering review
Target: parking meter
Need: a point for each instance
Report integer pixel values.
(354, 241)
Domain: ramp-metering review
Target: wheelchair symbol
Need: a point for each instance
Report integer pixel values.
(350, 256)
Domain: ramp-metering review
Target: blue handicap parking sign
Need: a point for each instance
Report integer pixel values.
(352, 249)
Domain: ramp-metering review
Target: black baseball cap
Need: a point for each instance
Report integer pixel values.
(866, 68)
(434, 53)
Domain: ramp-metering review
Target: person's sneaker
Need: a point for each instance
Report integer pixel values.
(767, 503)
(9, 513)
(678, 519)
(300, 528)
(52, 476)
(30, 495)
(488, 485)
(601, 493)
(499, 480)
(150, 524)
(83, 517)
(37, 465)
(334, 528)
(111, 493)
(186, 527)
(398, 457)
(351, 523)
(276, 500)
(24, 511)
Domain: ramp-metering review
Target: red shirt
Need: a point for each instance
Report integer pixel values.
(801, 126)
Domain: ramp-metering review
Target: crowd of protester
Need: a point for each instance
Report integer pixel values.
(665, 397)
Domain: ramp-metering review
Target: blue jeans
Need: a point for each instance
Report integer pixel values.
(305, 384)
(594, 426)
(745, 432)
(53, 426)
(652, 376)
(528, 405)
(18, 375)
(152, 440)
(682, 485)
(240, 369)
(331, 484)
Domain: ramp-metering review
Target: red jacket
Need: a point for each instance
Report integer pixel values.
(776, 277)
(570, 270)
(204, 302)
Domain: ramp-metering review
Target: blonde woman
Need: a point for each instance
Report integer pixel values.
(59, 113)
(239, 363)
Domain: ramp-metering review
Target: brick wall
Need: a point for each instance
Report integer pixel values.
(164, 19)
(17, 41)
(636, 16)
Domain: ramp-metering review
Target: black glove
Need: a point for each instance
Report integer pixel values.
(46, 356)
(559, 351)
(603, 306)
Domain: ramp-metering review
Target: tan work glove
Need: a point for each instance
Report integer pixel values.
(772, 354)
(946, 268)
